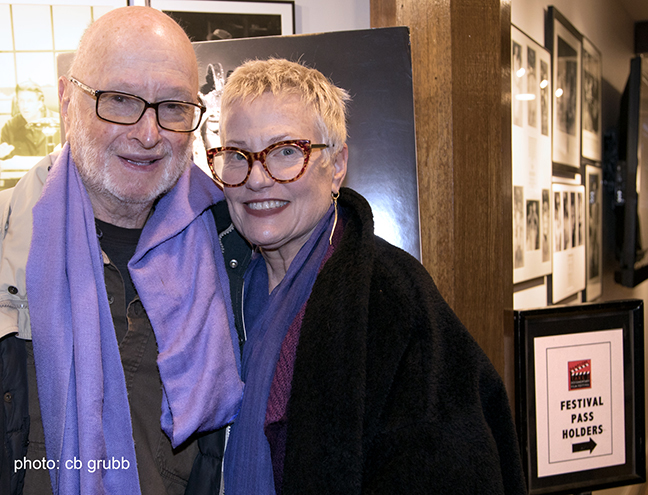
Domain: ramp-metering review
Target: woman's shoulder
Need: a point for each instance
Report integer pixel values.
(402, 272)
(362, 250)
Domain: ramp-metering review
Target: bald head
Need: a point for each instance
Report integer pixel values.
(133, 33)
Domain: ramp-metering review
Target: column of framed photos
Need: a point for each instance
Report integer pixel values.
(556, 154)
(579, 367)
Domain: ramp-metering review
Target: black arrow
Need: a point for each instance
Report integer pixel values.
(579, 447)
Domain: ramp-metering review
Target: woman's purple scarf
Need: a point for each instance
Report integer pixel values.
(181, 279)
(248, 465)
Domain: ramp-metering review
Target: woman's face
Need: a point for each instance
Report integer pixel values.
(279, 217)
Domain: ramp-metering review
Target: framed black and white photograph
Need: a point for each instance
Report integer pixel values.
(557, 221)
(545, 235)
(568, 276)
(594, 231)
(580, 396)
(206, 20)
(565, 44)
(592, 144)
(531, 156)
(517, 83)
(545, 97)
(32, 34)
(518, 227)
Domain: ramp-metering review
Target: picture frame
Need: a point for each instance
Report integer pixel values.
(594, 229)
(568, 228)
(207, 20)
(592, 134)
(531, 157)
(580, 396)
(564, 42)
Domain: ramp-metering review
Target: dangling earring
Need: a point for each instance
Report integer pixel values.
(334, 197)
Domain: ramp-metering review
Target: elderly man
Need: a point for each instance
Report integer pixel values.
(116, 343)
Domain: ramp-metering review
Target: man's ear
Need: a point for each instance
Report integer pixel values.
(64, 96)
(340, 168)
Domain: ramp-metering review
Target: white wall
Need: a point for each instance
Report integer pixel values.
(318, 16)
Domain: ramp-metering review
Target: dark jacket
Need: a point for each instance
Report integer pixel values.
(14, 413)
(390, 393)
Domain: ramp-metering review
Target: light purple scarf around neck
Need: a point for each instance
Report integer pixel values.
(180, 278)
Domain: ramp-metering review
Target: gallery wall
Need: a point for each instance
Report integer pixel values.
(607, 24)
(611, 29)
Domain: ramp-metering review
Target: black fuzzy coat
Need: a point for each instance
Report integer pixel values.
(390, 393)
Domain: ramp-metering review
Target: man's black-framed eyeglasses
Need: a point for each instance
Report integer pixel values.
(118, 107)
(284, 161)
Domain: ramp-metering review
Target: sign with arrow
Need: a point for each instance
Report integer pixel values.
(580, 401)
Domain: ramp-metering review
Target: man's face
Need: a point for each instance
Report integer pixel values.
(29, 104)
(130, 163)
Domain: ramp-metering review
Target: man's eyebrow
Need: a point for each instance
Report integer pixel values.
(171, 93)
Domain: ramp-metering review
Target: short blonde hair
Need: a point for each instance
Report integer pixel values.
(282, 77)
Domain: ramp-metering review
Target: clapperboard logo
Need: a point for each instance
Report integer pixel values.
(580, 374)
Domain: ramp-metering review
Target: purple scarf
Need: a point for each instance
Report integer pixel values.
(248, 465)
(183, 286)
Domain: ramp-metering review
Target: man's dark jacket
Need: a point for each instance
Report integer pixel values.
(14, 413)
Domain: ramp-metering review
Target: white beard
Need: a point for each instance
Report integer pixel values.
(93, 168)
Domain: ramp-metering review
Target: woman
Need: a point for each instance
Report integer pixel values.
(359, 377)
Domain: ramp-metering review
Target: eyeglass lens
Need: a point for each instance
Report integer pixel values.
(284, 163)
(126, 109)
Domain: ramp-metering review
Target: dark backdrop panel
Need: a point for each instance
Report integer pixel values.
(375, 67)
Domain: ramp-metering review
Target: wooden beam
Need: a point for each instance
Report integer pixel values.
(461, 71)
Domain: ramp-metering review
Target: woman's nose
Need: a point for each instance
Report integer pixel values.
(259, 178)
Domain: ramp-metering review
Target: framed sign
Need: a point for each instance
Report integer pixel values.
(207, 20)
(580, 390)
(565, 44)
(568, 213)
(531, 154)
(591, 143)
(594, 226)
